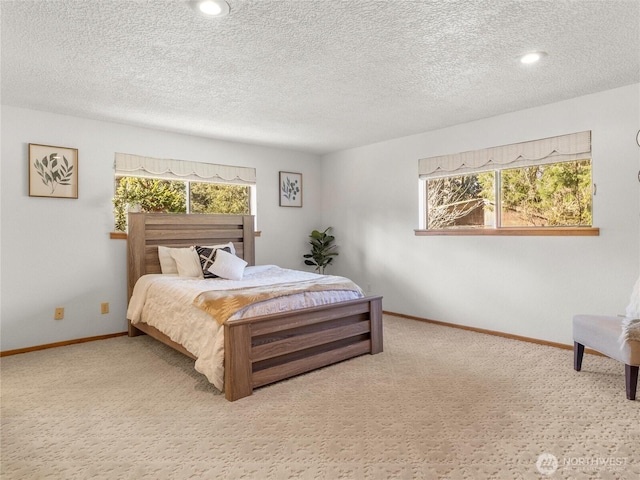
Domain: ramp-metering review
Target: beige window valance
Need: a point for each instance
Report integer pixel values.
(564, 148)
(128, 165)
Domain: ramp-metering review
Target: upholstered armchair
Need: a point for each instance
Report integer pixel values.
(616, 337)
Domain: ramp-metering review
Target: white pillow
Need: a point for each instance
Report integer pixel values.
(227, 266)
(168, 264)
(187, 262)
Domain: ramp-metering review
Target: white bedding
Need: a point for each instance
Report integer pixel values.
(166, 302)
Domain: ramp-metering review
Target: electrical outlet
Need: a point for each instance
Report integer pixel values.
(104, 308)
(58, 314)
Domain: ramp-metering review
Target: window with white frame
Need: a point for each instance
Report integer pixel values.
(541, 183)
(179, 186)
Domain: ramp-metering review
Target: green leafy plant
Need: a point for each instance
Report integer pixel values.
(52, 172)
(322, 250)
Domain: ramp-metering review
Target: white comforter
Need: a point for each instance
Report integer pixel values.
(166, 303)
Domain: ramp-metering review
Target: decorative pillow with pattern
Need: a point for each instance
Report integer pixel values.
(207, 256)
(168, 264)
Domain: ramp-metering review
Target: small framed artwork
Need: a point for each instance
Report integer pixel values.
(53, 171)
(290, 189)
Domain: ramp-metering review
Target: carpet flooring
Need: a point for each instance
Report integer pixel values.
(439, 403)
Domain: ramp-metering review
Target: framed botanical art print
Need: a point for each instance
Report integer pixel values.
(53, 171)
(290, 189)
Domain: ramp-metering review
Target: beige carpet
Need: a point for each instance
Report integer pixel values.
(438, 403)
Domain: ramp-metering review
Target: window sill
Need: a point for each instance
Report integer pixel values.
(519, 231)
(123, 235)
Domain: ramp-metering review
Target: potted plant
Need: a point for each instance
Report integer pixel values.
(322, 250)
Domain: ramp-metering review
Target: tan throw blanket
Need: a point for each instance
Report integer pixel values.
(223, 304)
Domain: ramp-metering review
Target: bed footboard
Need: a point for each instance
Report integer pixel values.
(266, 349)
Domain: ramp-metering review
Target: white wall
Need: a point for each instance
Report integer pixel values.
(530, 286)
(57, 252)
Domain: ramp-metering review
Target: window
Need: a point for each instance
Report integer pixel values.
(544, 183)
(558, 194)
(158, 185)
(460, 201)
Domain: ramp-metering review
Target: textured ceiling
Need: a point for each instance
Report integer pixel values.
(315, 76)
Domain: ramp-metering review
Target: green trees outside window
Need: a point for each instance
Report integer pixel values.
(547, 195)
(219, 198)
(154, 195)
(557, 194)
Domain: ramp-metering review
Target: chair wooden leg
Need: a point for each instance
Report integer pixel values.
(578, 353)
(631, 378)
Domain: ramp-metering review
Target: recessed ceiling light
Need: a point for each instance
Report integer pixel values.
(531, 57)
(211, 8)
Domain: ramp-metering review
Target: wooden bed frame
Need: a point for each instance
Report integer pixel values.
(258, 350)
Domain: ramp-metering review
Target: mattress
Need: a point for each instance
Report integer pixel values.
(167, 302)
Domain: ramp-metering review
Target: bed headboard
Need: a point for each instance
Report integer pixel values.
(148, 230)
